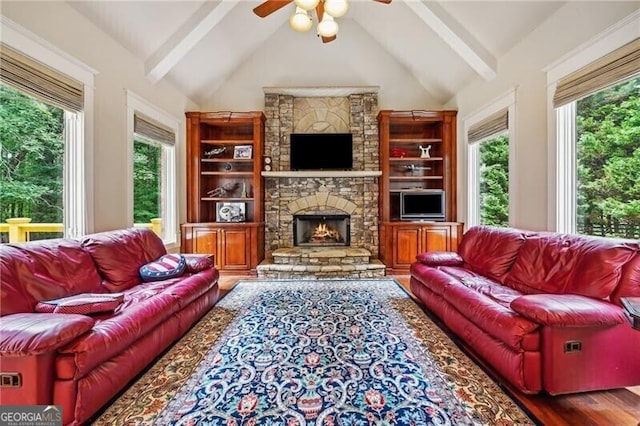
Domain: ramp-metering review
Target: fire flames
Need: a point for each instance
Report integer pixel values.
(323, 233)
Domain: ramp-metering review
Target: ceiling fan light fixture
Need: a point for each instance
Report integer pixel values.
(336, 8)
(307, 4)
(300, 21)
(327, 27)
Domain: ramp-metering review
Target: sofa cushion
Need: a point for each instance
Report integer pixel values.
(34, 334)
(433, 278)
(568, 310)
(168, 266)
(575, 264)
(43, 270)
(490, 251)
(629, 284)
(145, 306)
(119, 255)
(491, 313)
(483, 285)
(84, 304)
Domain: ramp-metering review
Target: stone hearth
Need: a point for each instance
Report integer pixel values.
(321, 262)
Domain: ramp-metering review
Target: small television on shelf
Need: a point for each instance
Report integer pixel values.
(321, 151)
(422, 205)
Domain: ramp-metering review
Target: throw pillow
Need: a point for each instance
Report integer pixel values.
(84, 304)
(168, 266)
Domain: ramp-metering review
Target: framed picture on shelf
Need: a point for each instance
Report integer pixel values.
(242, 152)
(230, 212)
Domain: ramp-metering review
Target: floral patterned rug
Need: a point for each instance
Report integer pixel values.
(327, 352)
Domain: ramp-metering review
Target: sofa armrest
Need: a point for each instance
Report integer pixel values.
(198, 262)
(440, 258)
(568, 310)
(35, 334)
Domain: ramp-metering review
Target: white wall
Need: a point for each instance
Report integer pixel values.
(65, 28)
(354, 59)
(523, 69)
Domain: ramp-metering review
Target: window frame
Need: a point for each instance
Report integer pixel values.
(136, 104)
(78, 188)
(472, 151)
(561, 122)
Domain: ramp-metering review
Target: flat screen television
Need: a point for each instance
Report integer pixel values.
(422, 205)
(321, 151)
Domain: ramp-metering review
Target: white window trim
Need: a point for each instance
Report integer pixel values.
(78, 173)
(135, 104)
(506, 101)
(561, 190)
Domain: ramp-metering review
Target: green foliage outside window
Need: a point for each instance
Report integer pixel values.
(494, 181)
(31, 158)
(608, 162)
(147, 171)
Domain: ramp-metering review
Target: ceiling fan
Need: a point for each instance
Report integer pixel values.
(326, 10)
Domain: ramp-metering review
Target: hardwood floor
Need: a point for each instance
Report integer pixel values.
(620, 407)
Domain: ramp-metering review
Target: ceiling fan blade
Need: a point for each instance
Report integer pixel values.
(328, 39)
(383, 1)
(270, 6)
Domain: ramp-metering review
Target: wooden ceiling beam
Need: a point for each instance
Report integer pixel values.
(186, 37)
(457, 37)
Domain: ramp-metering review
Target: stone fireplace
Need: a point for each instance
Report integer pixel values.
(313, 230)
(322, 110)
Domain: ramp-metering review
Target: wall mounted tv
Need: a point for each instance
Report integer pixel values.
(321, 151)
(422, 205)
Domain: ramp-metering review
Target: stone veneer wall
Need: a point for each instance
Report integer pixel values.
(357, 196)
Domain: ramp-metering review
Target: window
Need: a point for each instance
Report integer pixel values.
(605, 151)
(488, 155)
(597, 144)
(153, 201)
(147, 180)
(55, 90)
(31, 166)
(494, 180)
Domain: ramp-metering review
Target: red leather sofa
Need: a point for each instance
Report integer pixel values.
(542, 309)
(81, 361)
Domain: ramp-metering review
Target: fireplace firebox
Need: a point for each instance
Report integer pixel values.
(321, 230)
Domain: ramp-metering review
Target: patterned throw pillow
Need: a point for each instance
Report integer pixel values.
(168, 266)
(85, 304)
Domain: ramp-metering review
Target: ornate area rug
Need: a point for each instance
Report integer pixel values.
(328, 352)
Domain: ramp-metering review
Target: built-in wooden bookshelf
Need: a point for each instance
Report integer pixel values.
(225, 204)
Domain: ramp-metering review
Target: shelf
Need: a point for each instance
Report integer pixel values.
(419, 189)
(399, 178)
(226, 173)
(322, 173)
(414, 140)
(226, 199)
(393, 159)
(227, 141)
(226, 160)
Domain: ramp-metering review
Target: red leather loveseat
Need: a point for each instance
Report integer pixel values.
(81, 361)
(543, 309)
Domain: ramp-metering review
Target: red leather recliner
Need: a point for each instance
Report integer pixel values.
(81, 361)
(542, 308)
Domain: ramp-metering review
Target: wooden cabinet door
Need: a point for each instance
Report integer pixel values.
(206, 241)
(436, 238)
(407, 241)
(235, 249)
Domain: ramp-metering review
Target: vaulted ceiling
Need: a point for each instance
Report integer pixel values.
(198, 45)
